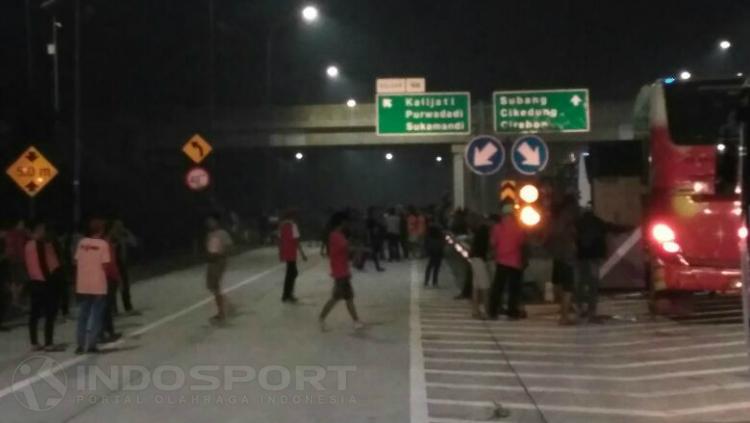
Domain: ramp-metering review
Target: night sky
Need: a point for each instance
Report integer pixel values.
(139, 53)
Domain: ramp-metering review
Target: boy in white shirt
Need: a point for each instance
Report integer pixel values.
(218, 244)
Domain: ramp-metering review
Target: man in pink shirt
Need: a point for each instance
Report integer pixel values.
(42, 264)
(92, 255)
(338, 254)
(507, 239)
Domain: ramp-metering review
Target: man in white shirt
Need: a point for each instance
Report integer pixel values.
(92, 255)
(218, 244)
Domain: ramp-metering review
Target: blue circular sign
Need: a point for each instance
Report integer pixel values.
(530, 155)
(485, 155)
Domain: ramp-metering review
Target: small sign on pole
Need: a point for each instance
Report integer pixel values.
(197, 148)
(198, 179)
(32, 172)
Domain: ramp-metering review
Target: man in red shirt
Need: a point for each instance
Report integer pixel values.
(508, 242)
(338, 255)
(42, 265)
(289, 245)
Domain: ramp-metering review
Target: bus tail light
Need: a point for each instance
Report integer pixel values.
(742, 232)
(662, 233)
(671, 247)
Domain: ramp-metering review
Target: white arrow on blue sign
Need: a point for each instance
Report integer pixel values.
(485, 155)
(530, 155)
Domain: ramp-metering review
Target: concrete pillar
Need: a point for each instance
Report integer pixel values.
(459, 192)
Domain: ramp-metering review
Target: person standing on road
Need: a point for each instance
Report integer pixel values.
(435, 248)
(338, 253)
(480, 248)
(374, 237)
(507, 239)
(42, 266)
(15, 242)
(92, 255)
(562, 244)
(122, 239)
(591, 243)
(114, 280)
(392, 229)
(289, 246)
(218, 245)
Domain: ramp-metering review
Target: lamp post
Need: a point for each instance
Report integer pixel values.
(310, 14)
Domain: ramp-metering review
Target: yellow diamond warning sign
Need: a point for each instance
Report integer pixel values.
(32, 171)
(197, 148)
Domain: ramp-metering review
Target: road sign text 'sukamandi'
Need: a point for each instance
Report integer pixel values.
(423, 114)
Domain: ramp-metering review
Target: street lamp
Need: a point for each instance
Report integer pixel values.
(351, 103)
(389, 156)
(310, 14)
(725, 44)
(332, 72)
(439, 159)
(685, 75)
(299, 156)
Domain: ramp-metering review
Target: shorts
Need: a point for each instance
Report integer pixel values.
(342, 289)
(214, 274)
(480, 273)
(563, 275)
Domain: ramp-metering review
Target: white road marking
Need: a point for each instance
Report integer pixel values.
(640, 378)
(417, 377)
(577, 342)
(575, 391)
(620, 366)
(558, 408)
(144, 329)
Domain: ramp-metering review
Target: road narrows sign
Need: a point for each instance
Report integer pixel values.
(423, 114)
(542, 111)
(197, 148)
(484, 155)
(32, 172)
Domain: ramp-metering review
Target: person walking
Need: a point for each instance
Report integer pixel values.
(92, 255)
(122, 240)
(435, 248)
(289, 246)
(338, 253)
(507, 239)
(43, 267)
(562, 244)
(480, 247)
(218, 245)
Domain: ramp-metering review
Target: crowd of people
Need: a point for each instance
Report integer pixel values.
(40, 266)
(575, 239)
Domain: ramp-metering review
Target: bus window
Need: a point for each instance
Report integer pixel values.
(698, 112)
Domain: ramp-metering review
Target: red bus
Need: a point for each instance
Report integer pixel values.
(692, 224)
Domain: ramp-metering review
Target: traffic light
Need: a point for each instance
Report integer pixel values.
(529, 215)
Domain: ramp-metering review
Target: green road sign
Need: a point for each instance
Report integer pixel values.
(424, 114)
(541, 111)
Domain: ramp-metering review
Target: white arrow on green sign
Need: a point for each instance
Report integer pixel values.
(423, 114)
(542, 111)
